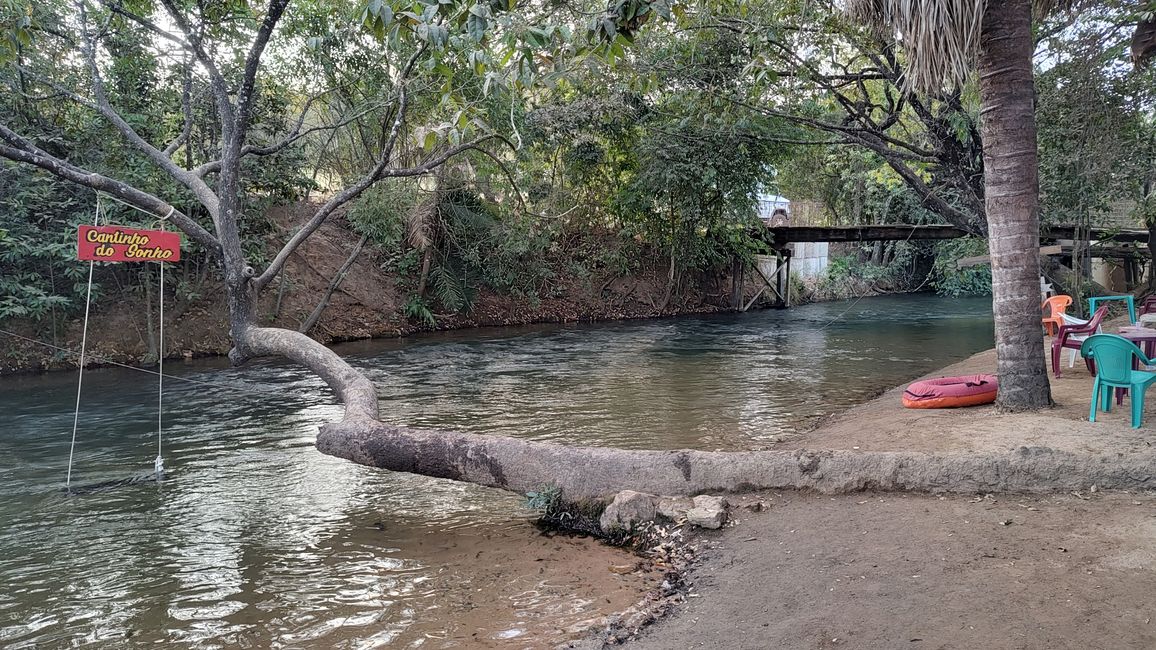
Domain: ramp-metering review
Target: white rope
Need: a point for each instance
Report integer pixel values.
(172, 208)
(83, 347)
(159, 463)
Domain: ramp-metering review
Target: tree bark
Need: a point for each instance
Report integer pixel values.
(596, 474)
(354, 389)
(1007, 95)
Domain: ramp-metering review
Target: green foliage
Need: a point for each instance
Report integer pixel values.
(1097, 138)
(949, 280)
(873, 267)
(546, 498)
(16, 28)
(381, 213)
(856, 187)
(635, 128)
(1145, 210)
(416, 308)
(38, 219)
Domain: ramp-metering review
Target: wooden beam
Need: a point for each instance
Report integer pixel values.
(792, 234)
(782, 235)
(1096, 234)
(965, 262)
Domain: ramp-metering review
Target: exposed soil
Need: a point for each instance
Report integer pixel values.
(368, 304)
(910, 571)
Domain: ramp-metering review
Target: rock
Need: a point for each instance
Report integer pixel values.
(628, 510)
(674, 508)
(708, 512)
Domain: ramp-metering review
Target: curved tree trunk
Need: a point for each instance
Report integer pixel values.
(1007, 93)
(354, 389)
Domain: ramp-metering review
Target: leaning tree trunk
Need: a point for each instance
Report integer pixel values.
(1007, 94)
(596, 473)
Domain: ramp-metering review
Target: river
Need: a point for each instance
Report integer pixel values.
(255, 539)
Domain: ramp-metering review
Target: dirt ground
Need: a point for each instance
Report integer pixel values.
(895, 570)
(916, 571)
(884, 425)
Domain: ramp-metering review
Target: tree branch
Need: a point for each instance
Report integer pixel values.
(352, 192)
(195, 184)
(293, 136)
(187, 109)
(216, 80)
(146, 23)
(252, 62)
(21, 150)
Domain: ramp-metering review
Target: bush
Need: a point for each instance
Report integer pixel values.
(949, 280)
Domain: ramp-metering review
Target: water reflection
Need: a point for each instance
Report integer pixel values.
(257, 540)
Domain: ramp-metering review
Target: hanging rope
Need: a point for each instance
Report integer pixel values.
(83, 349)
(159, 463)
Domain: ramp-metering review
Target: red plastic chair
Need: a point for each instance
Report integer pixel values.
(1148, 306)
(1073, 336)
(1053, 309)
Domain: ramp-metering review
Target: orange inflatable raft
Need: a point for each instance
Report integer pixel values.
(950, 392)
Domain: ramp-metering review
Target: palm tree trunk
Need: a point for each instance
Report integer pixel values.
(1007, 94)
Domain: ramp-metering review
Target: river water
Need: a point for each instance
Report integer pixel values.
(256, 540)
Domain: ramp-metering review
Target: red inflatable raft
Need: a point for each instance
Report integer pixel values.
(950, 392)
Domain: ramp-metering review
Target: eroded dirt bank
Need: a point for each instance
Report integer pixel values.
(369, 303)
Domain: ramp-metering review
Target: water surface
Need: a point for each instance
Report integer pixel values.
(257, 540)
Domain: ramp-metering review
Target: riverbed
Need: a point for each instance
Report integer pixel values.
(255, 539)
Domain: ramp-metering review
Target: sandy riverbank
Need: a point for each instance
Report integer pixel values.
(887, 570)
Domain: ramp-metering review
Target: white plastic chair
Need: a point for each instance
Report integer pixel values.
(1072, 320)
(1046, 289)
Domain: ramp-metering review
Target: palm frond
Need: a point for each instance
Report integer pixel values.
(418, 224)
(451, 291)
(941, 37)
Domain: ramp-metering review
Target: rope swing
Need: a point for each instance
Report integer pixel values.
(106, 242)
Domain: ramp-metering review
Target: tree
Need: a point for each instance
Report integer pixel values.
(995, 38)
(219, 50)
(455, 53)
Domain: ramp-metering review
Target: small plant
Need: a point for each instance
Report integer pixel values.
(416, 308)
(546, 498)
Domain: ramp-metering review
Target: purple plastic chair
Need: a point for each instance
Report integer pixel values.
(1073, 336)
(1148, 306)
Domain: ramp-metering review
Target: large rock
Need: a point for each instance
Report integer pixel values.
(674, 508)
(628, 510)
(708, 512)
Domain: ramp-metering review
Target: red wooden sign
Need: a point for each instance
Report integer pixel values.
(120, 244)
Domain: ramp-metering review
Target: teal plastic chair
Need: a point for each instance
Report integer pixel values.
(1113, 356)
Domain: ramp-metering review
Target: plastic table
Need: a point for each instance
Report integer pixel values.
(1144, 337)
(1129, 299)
